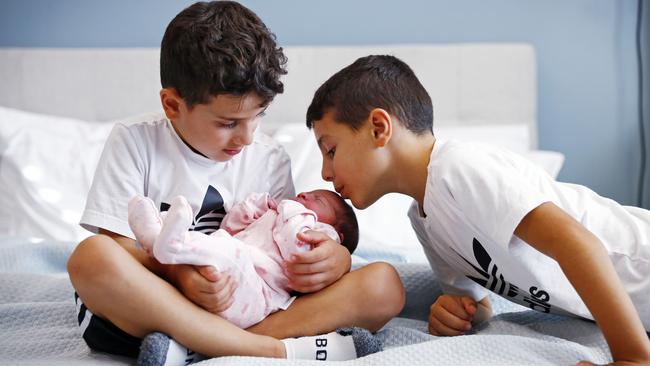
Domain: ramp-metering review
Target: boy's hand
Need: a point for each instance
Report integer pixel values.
(320, 267)
(451, 315)
(204, 286)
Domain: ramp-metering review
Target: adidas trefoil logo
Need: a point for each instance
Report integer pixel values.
(212, 211)
(489, 277)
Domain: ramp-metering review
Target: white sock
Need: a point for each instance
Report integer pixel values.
(178, 355)
(326, 347)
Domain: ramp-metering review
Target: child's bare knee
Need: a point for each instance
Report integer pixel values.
(92, 259)
(384, 289)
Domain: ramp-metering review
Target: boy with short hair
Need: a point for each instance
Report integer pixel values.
(487, 218)
(220, 68)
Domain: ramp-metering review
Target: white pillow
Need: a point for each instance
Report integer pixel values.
(551, 161)
(384, 225)
(46, 168)
(514, 137)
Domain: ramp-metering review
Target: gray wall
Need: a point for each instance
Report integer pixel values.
(588, 79)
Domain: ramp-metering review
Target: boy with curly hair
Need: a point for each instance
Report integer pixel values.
(220, 68)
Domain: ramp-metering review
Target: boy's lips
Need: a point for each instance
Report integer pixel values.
(232, 152)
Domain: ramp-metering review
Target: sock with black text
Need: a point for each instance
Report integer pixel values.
(344, 344)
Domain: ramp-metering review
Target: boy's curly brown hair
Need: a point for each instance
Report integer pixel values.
(220, 47)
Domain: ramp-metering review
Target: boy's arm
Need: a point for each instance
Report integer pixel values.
(587, 266)
(202, 285)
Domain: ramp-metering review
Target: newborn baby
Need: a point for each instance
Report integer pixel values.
(256, 236)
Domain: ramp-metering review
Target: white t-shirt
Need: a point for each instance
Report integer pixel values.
(148, 158)
(476, 195)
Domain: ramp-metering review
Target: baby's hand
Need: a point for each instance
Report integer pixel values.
(451, 315)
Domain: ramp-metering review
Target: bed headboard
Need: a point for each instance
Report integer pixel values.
(470, 84)
(482, 92)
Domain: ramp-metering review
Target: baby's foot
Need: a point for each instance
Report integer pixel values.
(169, 244)
(144, 221)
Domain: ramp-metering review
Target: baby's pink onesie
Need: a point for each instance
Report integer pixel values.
(254, 240)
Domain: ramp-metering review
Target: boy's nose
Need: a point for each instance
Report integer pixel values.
(326, 172)
(245, 137)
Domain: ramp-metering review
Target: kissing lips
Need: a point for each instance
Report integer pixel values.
(232, 152)
(339, 190)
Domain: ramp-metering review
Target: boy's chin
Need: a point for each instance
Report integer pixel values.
(220, 157)
(360, 204)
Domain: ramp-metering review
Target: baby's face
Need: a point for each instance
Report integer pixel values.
(324, 203)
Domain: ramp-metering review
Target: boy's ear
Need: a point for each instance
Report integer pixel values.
(171, 102)
(382, 126)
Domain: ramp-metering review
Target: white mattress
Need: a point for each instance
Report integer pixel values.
(38, 323)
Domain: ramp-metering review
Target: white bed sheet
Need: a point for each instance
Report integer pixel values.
(38, 323)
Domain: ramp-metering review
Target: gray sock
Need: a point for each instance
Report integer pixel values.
(365, 342)
(158, 349)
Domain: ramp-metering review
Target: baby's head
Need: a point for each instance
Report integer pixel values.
(333, 210)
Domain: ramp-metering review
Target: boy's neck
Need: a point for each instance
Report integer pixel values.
(411, 165)
(178, 133)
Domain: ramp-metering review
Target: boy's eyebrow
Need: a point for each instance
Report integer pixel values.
(320, 142)
(239, 119)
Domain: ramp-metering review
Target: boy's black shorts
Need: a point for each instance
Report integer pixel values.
(102, 335)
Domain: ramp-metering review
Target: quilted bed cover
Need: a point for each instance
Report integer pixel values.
(38, 323)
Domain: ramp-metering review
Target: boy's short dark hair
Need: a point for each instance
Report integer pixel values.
(220, 47)
(347, 225)
(375, 81)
